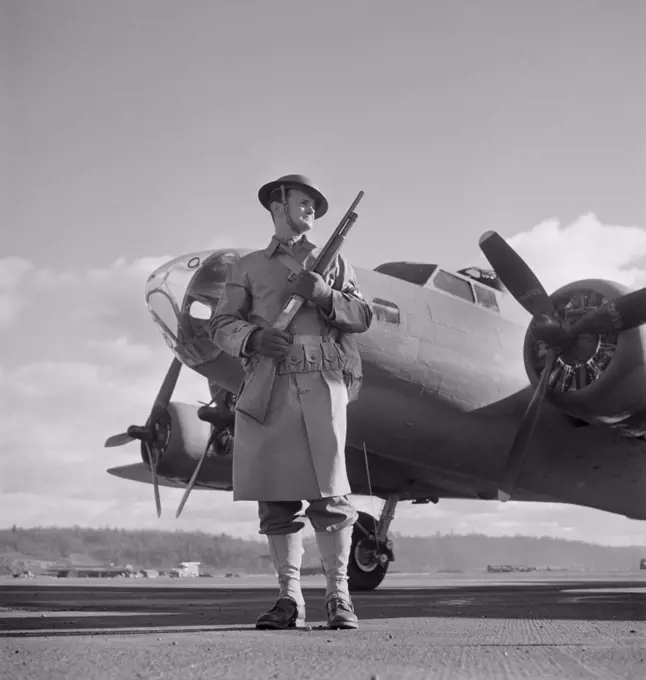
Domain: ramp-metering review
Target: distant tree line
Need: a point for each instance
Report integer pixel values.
(448, 552)
(153, 549)
(144, 548)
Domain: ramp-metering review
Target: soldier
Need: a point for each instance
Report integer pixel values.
(298, 452)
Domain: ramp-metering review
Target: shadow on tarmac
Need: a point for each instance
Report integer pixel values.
(76, 610)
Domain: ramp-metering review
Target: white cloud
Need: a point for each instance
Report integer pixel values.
(12, 269)
(9, 307)
(12, 272)
(81, 360)
(121, 349)
(584, 249)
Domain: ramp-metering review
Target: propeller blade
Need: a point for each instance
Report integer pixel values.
(516, 275)
(160, 404)
(622, 314)
(194, 476)
(152, 461)
(521, 440)
(165, 391)
(118, 440)
(553, 331)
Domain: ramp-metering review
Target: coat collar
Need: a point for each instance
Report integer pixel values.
(303, 242)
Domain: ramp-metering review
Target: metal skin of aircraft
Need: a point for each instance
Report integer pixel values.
(445, 409)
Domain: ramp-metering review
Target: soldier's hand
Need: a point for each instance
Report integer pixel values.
(312, 287)
(270, 342)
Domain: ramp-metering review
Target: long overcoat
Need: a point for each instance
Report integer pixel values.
(298, 452)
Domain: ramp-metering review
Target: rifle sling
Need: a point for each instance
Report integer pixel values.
(289, 261)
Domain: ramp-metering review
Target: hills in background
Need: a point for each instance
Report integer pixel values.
(166, 549)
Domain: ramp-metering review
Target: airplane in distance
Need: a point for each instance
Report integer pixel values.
(464, 395)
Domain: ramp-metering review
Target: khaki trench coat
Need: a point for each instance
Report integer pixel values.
(298, 453)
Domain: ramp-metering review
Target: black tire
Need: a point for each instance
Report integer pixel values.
(359, 578)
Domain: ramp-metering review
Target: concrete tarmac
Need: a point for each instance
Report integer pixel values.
(538, 625)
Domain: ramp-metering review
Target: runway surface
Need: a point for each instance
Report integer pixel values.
(536, 625)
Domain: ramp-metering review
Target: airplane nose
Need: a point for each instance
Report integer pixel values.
(181, 296)
(207, 284)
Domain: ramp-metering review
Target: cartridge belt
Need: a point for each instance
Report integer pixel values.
(311, 353)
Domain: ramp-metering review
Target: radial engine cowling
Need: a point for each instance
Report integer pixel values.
(181, 439)
(601, 379)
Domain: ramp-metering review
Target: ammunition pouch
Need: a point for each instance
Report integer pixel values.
(306, 354)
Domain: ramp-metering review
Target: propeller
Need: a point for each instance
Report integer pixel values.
(623, 313)
(194, 476)
(218, 421)
(525, 431)
(148, 434)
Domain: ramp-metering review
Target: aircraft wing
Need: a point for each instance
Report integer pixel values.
(572, 461)
(139, 472)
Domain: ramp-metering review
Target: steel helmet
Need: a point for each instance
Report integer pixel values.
(294, 182)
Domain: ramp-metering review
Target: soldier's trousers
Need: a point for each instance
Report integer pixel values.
(287, 517)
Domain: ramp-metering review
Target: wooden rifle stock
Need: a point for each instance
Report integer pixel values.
(255, 397)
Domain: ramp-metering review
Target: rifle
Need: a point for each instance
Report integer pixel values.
(254, 399)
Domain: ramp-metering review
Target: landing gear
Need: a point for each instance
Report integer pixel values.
(371, 551)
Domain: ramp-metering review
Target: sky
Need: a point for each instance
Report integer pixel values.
(133, 132)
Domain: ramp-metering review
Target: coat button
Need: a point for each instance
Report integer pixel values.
(301, 390)
(293, 359)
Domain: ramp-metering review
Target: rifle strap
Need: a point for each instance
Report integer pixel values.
(289, 261)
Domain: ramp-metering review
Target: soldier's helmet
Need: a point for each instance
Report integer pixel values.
(294, 182)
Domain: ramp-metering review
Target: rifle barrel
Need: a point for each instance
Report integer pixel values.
(323, 260)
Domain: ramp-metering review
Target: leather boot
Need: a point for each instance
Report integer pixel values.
(286, 552)
(335, 554)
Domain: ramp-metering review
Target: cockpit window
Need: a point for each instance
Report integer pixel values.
(452, 284)
(486, 297)
(198, 310)
(385, 310)
(487, 277)
(413, 272)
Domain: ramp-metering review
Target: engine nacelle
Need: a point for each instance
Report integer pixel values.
(182, 438)
(601, 379)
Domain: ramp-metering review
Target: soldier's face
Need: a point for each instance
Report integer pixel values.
(301, 210)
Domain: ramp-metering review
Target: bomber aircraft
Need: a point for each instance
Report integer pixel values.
(465, 396)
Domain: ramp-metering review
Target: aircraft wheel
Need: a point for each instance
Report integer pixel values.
(367, 566)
